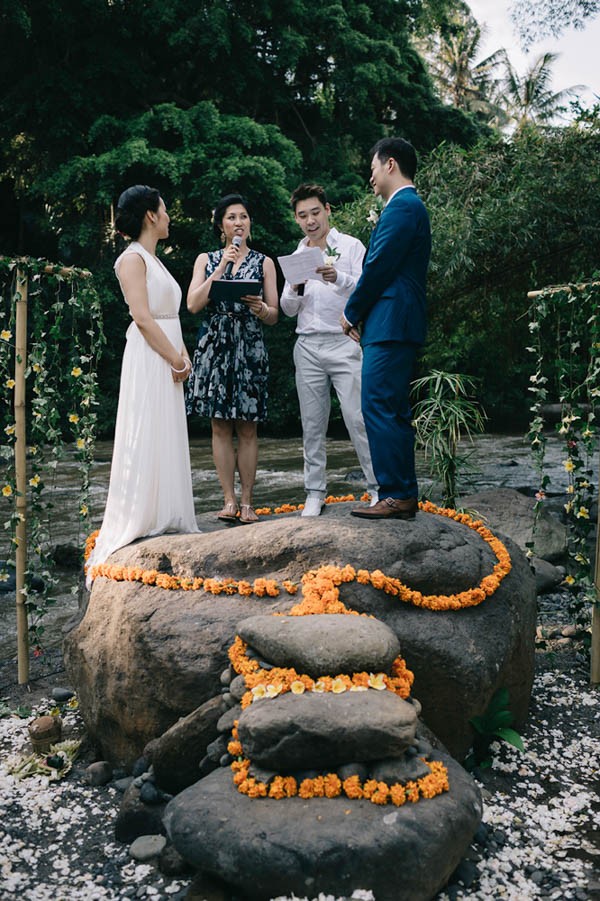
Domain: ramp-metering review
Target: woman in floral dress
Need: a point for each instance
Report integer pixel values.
(230, 368)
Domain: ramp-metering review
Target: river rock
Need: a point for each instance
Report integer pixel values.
(267, 848)
(512, 513)
(403, 769)
(177, 753)
(142, 657)
(322, 645)
(319, 730)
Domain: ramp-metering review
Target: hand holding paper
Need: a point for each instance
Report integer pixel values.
(298, 267)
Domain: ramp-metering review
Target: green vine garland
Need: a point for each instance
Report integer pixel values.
(65, 337)
(565, 328)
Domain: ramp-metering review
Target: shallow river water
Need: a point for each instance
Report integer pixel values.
(497, 460)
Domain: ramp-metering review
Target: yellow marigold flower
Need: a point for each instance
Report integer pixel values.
(568, 465)
(273, 690)
(569, 580)
(338, 686)
(259, 692)
(10, 383)
(73, 417)
(10, 429)
(5, 334)
(297, 687)
(377, 681)
(34, 481)
(7, 491)
(583, 513)
(76, 371)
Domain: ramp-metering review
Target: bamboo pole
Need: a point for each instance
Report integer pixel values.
(595, 647)
(553, 289)
(21, 475)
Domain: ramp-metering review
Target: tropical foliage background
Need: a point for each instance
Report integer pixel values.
(202, 98)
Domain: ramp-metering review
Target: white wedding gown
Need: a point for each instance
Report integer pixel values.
(150, 490)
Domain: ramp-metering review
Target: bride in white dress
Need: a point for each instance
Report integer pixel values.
(150, 490)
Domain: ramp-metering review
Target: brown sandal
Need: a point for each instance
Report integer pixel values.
(228, 513)
(247, 514)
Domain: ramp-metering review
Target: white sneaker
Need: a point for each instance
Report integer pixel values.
(374, 498)
(313, 506)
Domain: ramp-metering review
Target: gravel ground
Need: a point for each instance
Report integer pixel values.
(541, 829)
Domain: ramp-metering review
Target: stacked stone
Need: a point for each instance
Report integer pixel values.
(370, 734)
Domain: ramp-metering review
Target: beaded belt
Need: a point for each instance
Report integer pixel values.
(166, 316)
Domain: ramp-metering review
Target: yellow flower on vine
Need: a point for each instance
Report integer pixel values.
(36, 367)
(80, 443)
(73, 417)
(570, 489)
(76, 371)
(10, 429)
(35, 481)
(7, 491)
(5, 334)
(33, 450)
(569, 580)
(4, 577)
(587, 433)
(84, 510)
(583, 513)
(568, 507)
(10, 383)
(568, 465)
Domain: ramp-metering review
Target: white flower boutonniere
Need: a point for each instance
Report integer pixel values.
(373, 217)
(330, 255)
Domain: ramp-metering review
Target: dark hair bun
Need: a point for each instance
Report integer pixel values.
(221, 208)
(133, 205)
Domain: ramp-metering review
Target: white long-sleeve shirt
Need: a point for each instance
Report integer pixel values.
(320, 307)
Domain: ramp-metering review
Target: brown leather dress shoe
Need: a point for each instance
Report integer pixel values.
(389, 508)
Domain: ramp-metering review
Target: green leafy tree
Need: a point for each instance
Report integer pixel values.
(528, 100)
(534, 21)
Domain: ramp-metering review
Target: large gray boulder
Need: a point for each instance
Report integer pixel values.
(142, 657)
(270, 848)
(512, 513)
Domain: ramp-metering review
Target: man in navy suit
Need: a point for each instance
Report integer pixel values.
(388, 305)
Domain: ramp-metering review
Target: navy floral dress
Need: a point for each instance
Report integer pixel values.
(230, 366)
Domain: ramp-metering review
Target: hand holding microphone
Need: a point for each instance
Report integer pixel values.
(237, 243)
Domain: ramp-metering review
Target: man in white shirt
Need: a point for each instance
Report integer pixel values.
(323, 354)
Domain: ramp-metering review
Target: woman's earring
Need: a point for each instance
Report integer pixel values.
(222, 237)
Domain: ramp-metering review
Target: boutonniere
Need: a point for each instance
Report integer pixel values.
(330, 255)
(373, 217)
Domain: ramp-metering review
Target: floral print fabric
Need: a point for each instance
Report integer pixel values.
(230, 366)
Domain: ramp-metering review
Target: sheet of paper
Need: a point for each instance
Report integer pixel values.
(298, 267)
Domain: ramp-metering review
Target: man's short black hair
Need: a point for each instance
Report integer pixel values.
(400, 150)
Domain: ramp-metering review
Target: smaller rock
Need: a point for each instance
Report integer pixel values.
(206, 766)
(481, 835)
(569, 631)
(238, 687)
(62, 695)
(99, 773)
(399, 770)
(217, 748)
(261, 774)
(229, 699)
(136, 818)
(225, 723)
(171, 863)
(147, 846)
(226, 676)
(208, 888)
(423, 747)
(150, 750)
(353, 769)
(465, 874)
(149, 794)
(226, 759)
(123, 784)
(140, 766)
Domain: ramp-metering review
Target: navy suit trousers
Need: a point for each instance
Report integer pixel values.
(386, 376)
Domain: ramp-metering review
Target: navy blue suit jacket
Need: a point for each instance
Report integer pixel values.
(389, 299)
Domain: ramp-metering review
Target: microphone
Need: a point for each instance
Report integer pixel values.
(237, 242)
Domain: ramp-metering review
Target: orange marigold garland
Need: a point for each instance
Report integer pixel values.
(320, 588)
